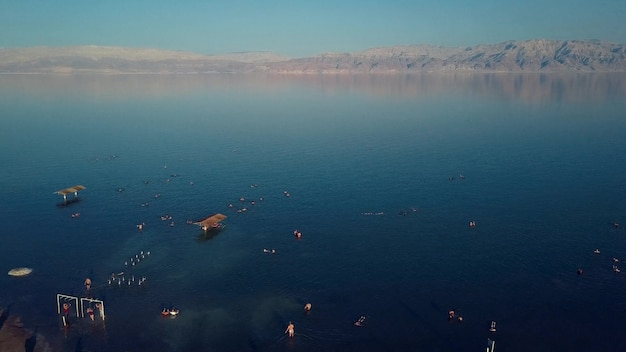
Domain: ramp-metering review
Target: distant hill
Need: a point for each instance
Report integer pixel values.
(511, 56)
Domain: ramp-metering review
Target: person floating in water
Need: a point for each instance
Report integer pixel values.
(492, 328)
(290, 329)
(472, 223)
(88, 284)
(451, 314)
(307, 307)
(360, 321)
(297, 233)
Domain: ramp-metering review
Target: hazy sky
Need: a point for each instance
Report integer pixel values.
(301, 28)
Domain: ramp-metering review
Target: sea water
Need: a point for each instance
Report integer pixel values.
(383, 175)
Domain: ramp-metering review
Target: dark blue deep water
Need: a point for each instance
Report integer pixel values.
(373, 167)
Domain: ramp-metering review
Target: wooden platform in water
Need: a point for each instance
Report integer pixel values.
(70, 190)
(211, 220)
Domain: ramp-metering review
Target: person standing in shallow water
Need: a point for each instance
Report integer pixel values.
(290, 329)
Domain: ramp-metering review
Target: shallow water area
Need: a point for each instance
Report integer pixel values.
(381, 174)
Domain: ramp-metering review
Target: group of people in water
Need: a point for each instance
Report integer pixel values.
(291, 328)
(90, 311)
(616, 269)
(452, 315)
(172, 312)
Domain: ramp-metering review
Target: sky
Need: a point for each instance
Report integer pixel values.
(303, 28)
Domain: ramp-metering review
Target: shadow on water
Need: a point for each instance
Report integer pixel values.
(29, 344)
(4, 316)
(440, 338)
(79, 345)
(209, 235)
(68, 202)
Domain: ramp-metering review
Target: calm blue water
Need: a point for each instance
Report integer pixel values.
(544, 165)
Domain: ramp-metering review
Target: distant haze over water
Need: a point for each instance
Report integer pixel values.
(526, 87)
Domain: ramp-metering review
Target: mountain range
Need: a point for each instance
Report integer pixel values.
(510, 56)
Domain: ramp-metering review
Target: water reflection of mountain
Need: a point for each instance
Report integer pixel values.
(528, 87)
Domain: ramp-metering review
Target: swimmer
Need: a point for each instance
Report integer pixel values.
(90, 312)
(579, 271)
(360, 321)
(451, 314)
(472, 223)
(88, 283)
(290, 329)
(307, 307)
(100, 309)
(596, 251)
(66, 309)
(165, 312)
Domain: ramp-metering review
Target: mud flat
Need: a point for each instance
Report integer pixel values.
(15, 337)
